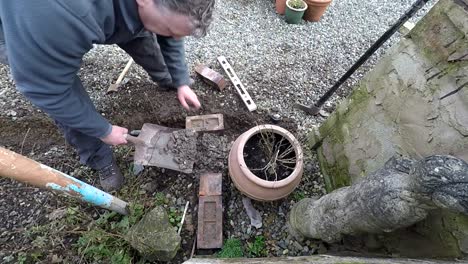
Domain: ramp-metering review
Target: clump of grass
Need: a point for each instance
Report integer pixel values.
(232, 248)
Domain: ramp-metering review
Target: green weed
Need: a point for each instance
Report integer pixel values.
(22, 258)
(298, 195)
(232, 248)
(257, 248)
(175, 216)
(104, 240)
(160, 199)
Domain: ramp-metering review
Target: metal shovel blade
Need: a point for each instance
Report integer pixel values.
(311, 110)
(151, 148)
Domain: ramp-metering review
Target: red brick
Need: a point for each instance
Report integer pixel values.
(211, 77)
(210, 222)
(211, 184)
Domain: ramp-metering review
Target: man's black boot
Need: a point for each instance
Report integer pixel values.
(111, 178)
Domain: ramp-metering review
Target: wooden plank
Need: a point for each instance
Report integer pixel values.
(318, 259)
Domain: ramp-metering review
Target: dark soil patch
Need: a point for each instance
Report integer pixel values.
(135, 104)
(29, 134)
(269, 156)
(146, 103)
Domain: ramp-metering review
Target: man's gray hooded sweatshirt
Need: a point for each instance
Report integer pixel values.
(47, 39)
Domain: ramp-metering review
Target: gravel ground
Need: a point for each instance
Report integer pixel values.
(279, 64)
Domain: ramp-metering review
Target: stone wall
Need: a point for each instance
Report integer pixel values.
(415, 103)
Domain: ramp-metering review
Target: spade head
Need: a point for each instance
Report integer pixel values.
(151, 148)
(311, 110)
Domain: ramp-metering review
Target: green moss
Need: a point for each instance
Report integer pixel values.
(335, 129)
(335, 175)
(426, 35)
(232, 248)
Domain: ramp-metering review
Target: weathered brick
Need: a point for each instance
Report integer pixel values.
(210, 222)
(211, 77)
(210, 184)
(212, 122)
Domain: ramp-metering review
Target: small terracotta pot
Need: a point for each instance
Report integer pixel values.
(316, 9)
(281, 6)
(253, 186)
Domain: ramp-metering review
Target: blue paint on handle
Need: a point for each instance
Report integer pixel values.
(93, 195)
(88, 192)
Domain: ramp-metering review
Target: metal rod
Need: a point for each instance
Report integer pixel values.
(183, 217)
(409, 13)
(21, 168)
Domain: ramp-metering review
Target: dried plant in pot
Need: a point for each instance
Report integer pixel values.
(266, 163)
(295, 11)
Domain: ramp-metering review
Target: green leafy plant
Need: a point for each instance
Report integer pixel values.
(257, 248)
(232, 248)
(160, 199)
(74, 216)
(22, 258)
(297, 4)
(297, 196)
(104, 240)
(175, 216)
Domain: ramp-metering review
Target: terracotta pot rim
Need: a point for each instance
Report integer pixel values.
(264, 183)
(295, 9)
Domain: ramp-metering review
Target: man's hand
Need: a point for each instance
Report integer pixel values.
(116, 136)
(188, 98)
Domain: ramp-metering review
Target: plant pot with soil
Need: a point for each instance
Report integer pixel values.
(294, 11)
(316, 9)
(266, 163)
(280, 6)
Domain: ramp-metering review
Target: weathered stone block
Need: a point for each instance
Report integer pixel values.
(154, 237)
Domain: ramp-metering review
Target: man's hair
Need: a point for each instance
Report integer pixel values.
(199, 11)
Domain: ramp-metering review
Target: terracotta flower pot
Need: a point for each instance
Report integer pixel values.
(255, 187)
(316, 9)
(280, 6)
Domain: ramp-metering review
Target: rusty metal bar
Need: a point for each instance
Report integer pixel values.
(21, 168)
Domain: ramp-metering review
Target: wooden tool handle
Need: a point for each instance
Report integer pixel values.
(133, 140)
(21, 168)
(125, 70)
